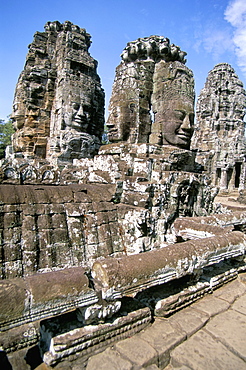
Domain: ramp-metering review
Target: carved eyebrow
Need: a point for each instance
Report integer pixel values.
(184, 112)
(180, 111)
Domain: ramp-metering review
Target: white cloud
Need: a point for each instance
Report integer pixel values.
(213, 35)
(235, 14)
(217, 42)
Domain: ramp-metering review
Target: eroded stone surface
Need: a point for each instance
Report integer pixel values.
(234, 339)
(153, 95)
(220, 126)
(233, 290)
(108, 359)
(240, 305)
(189, 320)
(137, 351)
(163, 337)
(202, 351)
(211, 305)
(59, 103)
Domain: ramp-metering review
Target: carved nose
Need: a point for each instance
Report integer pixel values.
(186, 125)
(80, 111)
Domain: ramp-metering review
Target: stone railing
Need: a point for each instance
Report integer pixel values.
(117, 277)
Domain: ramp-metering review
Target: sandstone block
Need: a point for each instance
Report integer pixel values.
(229, 328)
(163, 337)
(137, 351)
(240, 305)
(189, 320)
(211, 305)
(109, 359)
(202, 351)
(231, 291)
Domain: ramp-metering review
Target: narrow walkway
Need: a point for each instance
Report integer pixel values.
(210, 334)
(230, 201)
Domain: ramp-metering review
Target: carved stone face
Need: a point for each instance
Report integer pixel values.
(113, 131)
(78, 145)
(77, 116)
(178, 124)
(121, 122)
(18, 116)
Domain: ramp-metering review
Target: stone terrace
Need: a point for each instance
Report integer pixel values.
(207, 335)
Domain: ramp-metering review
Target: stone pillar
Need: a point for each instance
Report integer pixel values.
(220, 112)
(242, 184)
(223, 181)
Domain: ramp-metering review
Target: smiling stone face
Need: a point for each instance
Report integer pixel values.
(78, 117)
(153, 95)
(59, 90)
(178, 124)
(173, 105)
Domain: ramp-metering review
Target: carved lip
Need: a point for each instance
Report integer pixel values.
(80, 120)
(112, 132)
(184, 136)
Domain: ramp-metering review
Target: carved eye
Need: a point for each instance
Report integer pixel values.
(75, 106)
(180, 115)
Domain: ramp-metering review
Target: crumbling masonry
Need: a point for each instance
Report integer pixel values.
(93, 236)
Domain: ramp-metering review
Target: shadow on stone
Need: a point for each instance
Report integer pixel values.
(4, 362)
(33, 357)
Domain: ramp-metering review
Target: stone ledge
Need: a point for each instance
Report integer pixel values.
(117, 277)
(90, 339)
(175, 338)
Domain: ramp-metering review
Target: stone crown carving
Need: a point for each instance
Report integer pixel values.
(153, 48)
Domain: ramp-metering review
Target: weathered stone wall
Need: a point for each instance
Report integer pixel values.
(45, 228)
(92, 229)
(220, 129)
(58, 108)
(49, 227)
(150, 83)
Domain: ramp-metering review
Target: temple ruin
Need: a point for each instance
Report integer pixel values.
(220, 130)
(98, 240)
(58, 109)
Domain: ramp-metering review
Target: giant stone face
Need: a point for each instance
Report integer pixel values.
(153, 95)
(58, 91)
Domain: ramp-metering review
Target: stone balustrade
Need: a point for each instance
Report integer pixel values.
(117, 277)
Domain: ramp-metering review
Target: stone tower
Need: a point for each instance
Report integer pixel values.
(58, 109)
(220, 129)
(151, 77)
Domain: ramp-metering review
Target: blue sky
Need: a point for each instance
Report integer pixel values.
(210, 31)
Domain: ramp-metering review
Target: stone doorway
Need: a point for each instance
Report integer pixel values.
(238, 166)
